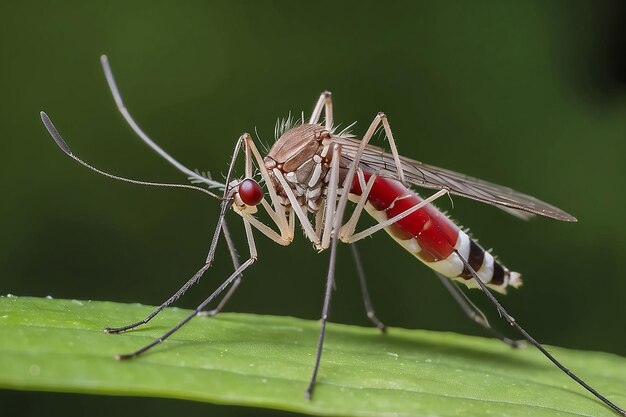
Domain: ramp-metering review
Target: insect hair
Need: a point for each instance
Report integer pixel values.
(285, 123)
(346, 132)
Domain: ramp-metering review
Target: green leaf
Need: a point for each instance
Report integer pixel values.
(265, 361)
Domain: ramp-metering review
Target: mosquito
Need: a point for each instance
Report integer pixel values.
(309, 175)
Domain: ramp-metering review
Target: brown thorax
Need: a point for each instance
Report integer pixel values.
(302, 155)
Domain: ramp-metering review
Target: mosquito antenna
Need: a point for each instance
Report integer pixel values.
(131, 122)
(61, 143)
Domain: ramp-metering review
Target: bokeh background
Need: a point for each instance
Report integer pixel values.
(530, 94)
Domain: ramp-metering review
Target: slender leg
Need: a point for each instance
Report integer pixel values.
(331, 200)
(283, 238)
(333, 221)
(278, 214)
(341, 205)
(326, 102)
(195, 278)
(249, 154)
(381, 118)
(505, 314)
(392, 145)
(473, 313)
(347, 230)
(173, 330)
(369, 308)
(235, 275)
(330, 279)
(306, 224)
(226, 203)
(346, 233)
(337, 221)
(371, 230)
(236, 264)
(310, 230)
(169, 301)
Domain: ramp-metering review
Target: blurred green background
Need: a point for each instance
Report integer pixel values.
(528, 94)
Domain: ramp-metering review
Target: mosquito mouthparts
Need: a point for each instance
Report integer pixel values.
(55, 134)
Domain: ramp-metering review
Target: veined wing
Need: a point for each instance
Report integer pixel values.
(428, 176)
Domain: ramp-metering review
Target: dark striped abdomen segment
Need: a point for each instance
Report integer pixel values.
(432, 237)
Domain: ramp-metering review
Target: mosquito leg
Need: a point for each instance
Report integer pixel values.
(341, 205)
(326, 102)
(369, 308)
(278, 214)
(306, 224)
(236, 264)
(234, 276)
(226, 203)
(284, 238)
(333, 221)
(473, 313)
(331, 229)
(505, 314)
(381, 118)
(392, 145)
(183, 289)
(209, 261)
(330, 279)
(330, 211)
(169, 301)
(347, 230)
(373, 229)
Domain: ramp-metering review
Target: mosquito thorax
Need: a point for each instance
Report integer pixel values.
(248, 194)
(302, 156)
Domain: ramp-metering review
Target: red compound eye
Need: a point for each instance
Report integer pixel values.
(250, 192)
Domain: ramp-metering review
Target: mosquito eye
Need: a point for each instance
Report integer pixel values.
(250, 192)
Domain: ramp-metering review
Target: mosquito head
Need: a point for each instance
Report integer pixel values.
(247, 194)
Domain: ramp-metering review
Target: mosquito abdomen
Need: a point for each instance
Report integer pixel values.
(432, 237)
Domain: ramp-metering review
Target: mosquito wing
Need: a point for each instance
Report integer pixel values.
(428, 176)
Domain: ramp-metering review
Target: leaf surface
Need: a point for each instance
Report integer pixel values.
(266, 361)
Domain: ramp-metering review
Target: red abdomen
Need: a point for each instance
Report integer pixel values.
(434, 232)
(431, 236)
